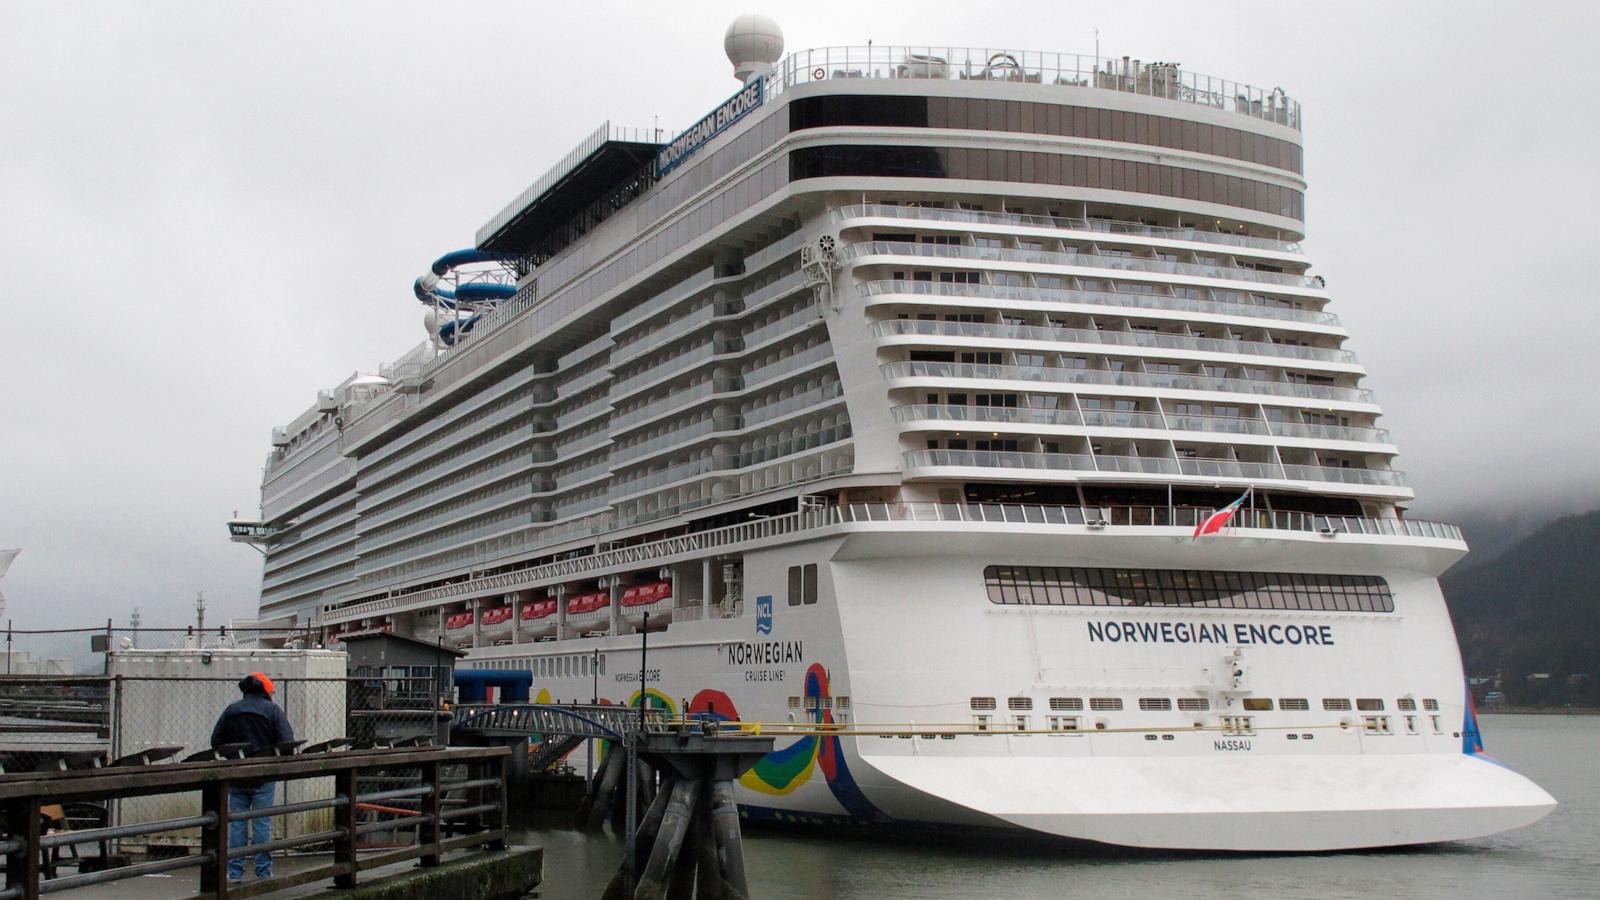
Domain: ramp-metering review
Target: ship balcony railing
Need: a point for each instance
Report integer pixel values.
(622, 487)
(677, 401)
(582, 383)
(447, 458)
(656, 341)
(581, 446)
(781, 368)
(280, 562)
(570, 480)
(406, 549)
(812, 398)
(622, 456)
(1142, 339)
(1248, 517)
(1157, 380)
(1060, 223)
(1329, 432)
(380, 537)
(1090, 72)
(578, 415)
(448, 428)
(697, 612)
(309, 569)
(1347, 475)
(851, 252)
(661, 371)
(1150, 465)
(579, 354)
(445, 493)
(679, 293)
(777, 290)
(759, 532)
(1071, 296)
(809, 315)
(294, 585)
(450, 466)
(1108, 418)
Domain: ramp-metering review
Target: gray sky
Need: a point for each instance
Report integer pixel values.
(210, 210)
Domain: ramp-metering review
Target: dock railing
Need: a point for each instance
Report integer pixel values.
(446, 799)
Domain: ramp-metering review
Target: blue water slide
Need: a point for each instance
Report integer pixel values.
(484, 291)
(447, 331)
(428, 290)
(462, 257)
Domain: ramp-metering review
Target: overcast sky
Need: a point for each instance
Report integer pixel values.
(210, 210)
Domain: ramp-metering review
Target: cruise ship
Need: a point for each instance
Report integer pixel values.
(888, 399)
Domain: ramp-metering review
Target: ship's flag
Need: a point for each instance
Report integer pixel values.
(1213, 523)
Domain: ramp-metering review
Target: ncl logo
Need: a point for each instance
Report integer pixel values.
(764, 614)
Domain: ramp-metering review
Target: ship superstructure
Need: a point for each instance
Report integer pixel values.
(888, 396)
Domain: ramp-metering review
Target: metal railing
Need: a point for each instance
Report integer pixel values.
(1160, 380)
(1154, 340)
(1126, 300)
(1199, 467)
(1153, 79)
(851, 252)
(444, 790)
(1058, 223)
(1104, 418)
(773, 528)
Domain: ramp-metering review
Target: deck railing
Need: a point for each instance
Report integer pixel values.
(761, 530)
(460, 790)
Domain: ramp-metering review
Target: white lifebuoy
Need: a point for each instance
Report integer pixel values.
(819, 73)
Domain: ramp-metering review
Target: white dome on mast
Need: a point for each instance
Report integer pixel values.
(753, 43)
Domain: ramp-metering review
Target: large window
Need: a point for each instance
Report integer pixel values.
(1072, 586)
(1029, 167)
(1044, 118)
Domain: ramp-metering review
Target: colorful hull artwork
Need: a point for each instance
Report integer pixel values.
(787, 768)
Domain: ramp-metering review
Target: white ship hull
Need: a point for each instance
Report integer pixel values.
(903, 630)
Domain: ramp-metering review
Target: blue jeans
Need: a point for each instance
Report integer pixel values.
(239, 800)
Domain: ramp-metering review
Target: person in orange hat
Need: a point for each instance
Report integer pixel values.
(256, 721)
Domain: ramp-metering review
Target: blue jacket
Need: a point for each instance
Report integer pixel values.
(253, 720)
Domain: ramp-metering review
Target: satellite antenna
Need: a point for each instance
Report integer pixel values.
(6, 556)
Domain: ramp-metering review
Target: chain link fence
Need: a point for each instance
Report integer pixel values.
(70, 651)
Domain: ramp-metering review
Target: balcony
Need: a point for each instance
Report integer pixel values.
(1141, 339)
(1149, 465)
(1056, 223)
(813, 398)
(851, 252)
(660, 371)
(1112, 299)
(1160, 381)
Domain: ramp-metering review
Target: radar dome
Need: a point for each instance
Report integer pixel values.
(753, 43)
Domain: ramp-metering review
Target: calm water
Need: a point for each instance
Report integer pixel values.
(1557, 857)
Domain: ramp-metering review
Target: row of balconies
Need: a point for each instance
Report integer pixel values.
(1154, 340)
(979, 372)
(1087, 463)
(1159, 305)
(1038, 224)
(1100, 418)
(956, 253)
